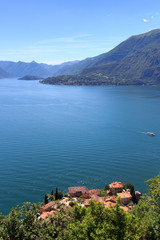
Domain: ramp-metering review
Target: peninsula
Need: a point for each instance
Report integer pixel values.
(30, 77)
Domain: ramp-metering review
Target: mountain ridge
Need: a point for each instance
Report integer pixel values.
(134, 61)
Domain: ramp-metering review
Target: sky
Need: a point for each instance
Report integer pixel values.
(56, 31)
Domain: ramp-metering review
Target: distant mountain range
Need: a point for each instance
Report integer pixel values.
(135, 61)
(21, 69)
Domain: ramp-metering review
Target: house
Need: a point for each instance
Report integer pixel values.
(109, 204)
(101, 200)
(126, 197)
(52, 213)
(77, 191)
(86, 202)
(116, 187)
(125, 208)
(94, 192)
(94, 198)
(47, 207)
(112, 199)
(45, 215)
(86, 195)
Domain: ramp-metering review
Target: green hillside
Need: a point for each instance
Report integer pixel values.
(134, 61)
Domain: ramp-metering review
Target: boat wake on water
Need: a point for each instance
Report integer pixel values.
(149, 133)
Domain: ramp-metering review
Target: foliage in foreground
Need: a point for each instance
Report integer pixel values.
(92, 223)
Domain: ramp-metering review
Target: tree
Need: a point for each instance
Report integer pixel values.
(154, 190)
(56, 194)
(52, 192)
(106, 187)
(46, 199)
(132, 192)
(127, 185)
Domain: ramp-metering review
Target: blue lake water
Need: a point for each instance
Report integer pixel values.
(61, 136)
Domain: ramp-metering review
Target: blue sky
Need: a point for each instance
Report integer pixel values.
(55, 31)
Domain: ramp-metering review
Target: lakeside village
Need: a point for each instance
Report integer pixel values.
(124, 193)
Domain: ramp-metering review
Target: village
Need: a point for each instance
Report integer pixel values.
(83, 197)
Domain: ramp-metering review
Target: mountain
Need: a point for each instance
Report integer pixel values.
(59, 69)
(20, 69)
(3, 73)
(134, 61)
(29, 77)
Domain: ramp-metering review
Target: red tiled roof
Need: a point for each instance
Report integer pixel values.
(44, 215)
(86, 195)
(109, 204)
(94, 191)
(107, 191)
(116, 185)
(48, 205)
(111, 199)
(52, 213)
(86, 202)
(101, 200)
(126, 209)
(124, 195)
(77, 189)
(94, 197)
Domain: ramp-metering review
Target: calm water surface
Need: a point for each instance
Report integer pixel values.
(61, 136)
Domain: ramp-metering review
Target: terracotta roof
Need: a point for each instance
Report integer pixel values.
(94, 197)
(116, 185)
(52, 213)
(44, 215)
(111, 199)
(94, 191)
(126, 209)
(86, 195)
(124, 195)
(86, 202)
(48, 205)
(77, 189)
(109, 204)
(101, 200)
(107, 191)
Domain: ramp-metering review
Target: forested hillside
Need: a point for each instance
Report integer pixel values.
(135, 61)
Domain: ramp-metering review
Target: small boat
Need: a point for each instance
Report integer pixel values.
(151, 134)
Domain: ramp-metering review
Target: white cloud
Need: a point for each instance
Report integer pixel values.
(55, 62)
(70, 39)
(145, 20)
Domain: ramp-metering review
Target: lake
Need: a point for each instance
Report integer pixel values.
(61, 136)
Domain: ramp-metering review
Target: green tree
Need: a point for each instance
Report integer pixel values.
(132, 192)
(45, 199)
(128, 186)
(58, 194)
(106, 187)
(154, 190)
